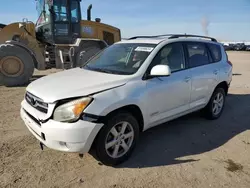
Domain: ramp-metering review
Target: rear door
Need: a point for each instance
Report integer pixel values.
(204, 73)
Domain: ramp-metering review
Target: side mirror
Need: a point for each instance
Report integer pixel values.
(160, 70)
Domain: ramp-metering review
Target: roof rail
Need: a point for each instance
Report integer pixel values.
(187, 35)
(173, 36)
(154, 36)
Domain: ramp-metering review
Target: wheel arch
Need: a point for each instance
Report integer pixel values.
(134, 110)
(224, 86)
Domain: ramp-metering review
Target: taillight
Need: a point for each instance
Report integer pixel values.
(229, 62)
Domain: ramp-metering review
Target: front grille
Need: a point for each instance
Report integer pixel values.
(36, 102)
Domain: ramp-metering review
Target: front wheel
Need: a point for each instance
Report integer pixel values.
(215, 106)
(117, 139)
(16, 65)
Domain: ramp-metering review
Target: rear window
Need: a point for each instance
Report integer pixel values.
(215, 52)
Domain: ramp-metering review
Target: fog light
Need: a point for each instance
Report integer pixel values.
(62, 143)
(75, 146)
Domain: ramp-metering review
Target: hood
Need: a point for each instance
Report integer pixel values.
(74, 83)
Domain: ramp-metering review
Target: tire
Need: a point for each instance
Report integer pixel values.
(105, 136)
(25, 62)
(85, 54)
(209, 109)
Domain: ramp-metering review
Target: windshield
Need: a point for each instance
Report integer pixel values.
(43, 12)
(120, 58)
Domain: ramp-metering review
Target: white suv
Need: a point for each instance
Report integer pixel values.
(124, 90)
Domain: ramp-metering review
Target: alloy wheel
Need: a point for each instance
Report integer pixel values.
(119, 139)
(218, 103)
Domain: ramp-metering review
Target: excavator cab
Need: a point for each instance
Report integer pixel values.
(59, 21)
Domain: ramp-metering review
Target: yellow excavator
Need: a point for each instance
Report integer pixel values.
(59, 39)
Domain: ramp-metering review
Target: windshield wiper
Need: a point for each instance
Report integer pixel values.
(105, 70)
(121, 72)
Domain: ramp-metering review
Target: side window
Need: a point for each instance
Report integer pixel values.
(215, 52)
(74, 11)
(43, 18)
(108, 37)
(171, 55)
(60, 8)
(197, 54)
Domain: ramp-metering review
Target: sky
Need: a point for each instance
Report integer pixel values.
(226, 19)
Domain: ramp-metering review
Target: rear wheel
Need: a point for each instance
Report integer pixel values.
(215, 106)
(117, 139)
(16, 65)
(85, 54)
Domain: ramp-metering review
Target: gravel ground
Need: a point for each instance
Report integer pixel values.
(187, 152)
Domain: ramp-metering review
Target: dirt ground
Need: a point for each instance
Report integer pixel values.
(188, 152)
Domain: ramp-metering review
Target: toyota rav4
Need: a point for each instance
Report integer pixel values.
(125, 89)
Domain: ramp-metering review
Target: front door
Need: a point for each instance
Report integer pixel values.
(168, 96)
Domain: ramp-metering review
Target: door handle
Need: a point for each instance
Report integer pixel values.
(187, 79)
(215, 72)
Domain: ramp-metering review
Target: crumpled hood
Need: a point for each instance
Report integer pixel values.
(74, 83)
